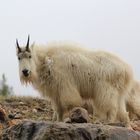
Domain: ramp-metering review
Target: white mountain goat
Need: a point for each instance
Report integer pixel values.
(69, 74)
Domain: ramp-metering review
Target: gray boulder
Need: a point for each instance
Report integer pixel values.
(33, 130)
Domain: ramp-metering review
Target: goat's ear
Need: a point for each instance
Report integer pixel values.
(18, 47)
(27, 45)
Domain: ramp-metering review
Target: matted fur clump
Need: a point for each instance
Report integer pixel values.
(69, 74)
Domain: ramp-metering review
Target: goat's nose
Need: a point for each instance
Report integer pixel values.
(25, 72)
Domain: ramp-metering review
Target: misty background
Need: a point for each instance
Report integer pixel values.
(112, 25)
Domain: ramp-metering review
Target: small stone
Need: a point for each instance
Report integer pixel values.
(18, 116)
(14, 122)
(11, 116)
(136, 125)
(35, 110)
(3, 116)
(79, 115)
(39, 109)
(15, 116)
(24, 111)
(21, 103)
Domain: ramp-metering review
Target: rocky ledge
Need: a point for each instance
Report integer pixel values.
(15, 124)
(34, 130)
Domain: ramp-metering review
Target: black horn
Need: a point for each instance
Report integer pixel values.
(27, 45)
(18, 47)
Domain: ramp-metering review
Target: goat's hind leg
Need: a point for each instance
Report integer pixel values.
(123, 115)
(106, 103)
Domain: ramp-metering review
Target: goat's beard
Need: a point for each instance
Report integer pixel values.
(26, 80)
(32, 78)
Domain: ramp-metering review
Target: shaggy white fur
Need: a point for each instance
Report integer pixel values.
(69, 74)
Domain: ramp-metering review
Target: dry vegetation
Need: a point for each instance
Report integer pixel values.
(26, 107)
(17, 109)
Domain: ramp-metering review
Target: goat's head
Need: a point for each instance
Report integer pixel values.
(26, 62)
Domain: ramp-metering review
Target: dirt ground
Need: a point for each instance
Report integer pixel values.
(14, 109)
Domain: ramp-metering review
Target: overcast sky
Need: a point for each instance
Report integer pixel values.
(113, 25)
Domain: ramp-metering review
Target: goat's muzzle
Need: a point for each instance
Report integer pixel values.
(26, 72)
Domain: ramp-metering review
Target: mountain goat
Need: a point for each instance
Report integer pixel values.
(69, 74)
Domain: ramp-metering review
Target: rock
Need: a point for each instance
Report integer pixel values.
(18, 116)
(34, 110)
(136, 125)
(39, 109)
(79, 115)
(33, 130)
(14, 122)
(11, 116)
(3, 115)
(15, 116)
(21, 103)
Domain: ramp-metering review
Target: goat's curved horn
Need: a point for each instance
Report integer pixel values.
(27, 45)
(18, 47)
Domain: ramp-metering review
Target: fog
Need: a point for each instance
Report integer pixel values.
(110, 25)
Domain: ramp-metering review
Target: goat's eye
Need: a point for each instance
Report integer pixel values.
(30, 56)
(18, 58)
